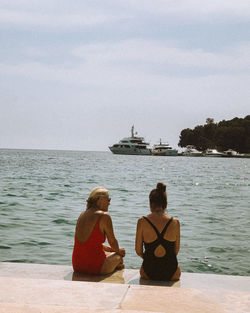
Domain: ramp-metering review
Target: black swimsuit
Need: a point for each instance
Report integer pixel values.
(159, 268)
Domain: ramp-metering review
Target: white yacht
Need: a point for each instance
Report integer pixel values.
(230, 152)
(164, 149)
(191, 151)
(131, 145)
(213, 153)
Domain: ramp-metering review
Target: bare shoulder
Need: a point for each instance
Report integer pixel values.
(176, 222)
(104, 217)
(99, 213)
(140, 221)
(81, 217)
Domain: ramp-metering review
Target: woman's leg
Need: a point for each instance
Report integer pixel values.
(113, 261)
(143, 274)
(177, 274)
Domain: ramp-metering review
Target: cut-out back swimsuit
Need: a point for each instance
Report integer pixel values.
(89, 256)
(159, 268)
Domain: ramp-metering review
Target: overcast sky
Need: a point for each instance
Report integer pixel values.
(76, 75)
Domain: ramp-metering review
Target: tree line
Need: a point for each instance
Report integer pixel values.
(231, 134)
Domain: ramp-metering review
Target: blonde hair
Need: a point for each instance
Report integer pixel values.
(94, 196)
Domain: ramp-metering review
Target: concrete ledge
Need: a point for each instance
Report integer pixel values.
(127, 276)
(49, 288)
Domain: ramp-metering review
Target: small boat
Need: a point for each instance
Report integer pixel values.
(213, 153)
(191, 151)
(133, 145)
(230, 153)
(164, 149)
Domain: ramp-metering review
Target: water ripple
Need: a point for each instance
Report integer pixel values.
(4, 247)
(62, 221)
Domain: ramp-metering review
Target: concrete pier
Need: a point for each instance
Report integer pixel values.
(54, 288)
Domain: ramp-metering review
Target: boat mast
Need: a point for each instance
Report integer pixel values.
(132, 131)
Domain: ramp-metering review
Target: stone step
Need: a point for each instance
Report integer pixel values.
(48, 288)
(126, 276)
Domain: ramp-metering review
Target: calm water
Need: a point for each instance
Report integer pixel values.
(43, 192)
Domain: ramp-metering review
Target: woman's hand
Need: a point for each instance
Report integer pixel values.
(122, 252)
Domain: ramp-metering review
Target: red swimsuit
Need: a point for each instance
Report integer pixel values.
(89, 256)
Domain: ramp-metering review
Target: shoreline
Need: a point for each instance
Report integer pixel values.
(243, 155)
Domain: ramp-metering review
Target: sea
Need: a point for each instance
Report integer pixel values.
(42, 193)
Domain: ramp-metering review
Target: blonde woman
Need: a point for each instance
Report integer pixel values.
(158, 239)
(92, 228)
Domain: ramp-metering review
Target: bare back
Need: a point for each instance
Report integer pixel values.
(146, 233)
(149, 234)
(86, 223)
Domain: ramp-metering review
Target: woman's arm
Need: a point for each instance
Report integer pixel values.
(108, 229)
(177, 242)
(109, 249)
(139, 238)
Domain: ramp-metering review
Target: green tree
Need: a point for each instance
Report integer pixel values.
(232, 134)
(209, 120)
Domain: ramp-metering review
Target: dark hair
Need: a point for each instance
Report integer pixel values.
(158, 196)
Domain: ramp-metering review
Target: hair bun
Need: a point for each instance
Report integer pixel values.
(161, 187)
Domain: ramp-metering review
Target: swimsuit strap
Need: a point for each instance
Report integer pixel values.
(166, 227)
(156, 230)
(159, 235)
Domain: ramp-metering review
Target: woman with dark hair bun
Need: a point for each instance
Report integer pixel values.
(158, 239)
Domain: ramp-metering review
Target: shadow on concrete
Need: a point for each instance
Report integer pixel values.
(118, 278)
(85, 277)
(141, 281)
(114, 277)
